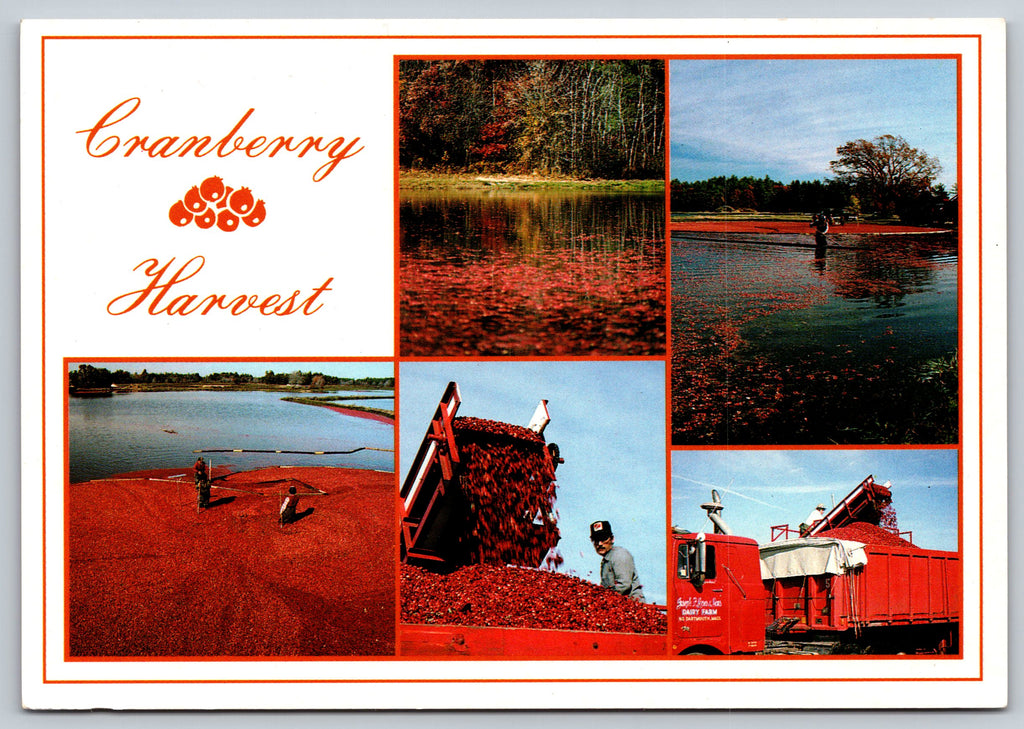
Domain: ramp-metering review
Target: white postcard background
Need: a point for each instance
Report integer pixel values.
(88, 222)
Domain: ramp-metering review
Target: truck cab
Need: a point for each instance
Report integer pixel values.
(719, 598)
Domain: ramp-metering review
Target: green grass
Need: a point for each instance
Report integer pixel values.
(419, 180)
(326, 401)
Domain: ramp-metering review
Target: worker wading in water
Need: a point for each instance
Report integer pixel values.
(288, 506)
(618, 571)
(202, 477)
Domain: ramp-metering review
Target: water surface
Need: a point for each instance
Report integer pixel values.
(145, 430)
(532, 272)
(787, 344)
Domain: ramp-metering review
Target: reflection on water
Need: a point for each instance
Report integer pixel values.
(140, 431)
(526, 273)
(793, 344)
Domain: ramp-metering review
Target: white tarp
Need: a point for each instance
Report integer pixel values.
(812, 556)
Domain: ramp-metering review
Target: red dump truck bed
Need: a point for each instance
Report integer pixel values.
(905, 587)
(472, 641)
(859, 587)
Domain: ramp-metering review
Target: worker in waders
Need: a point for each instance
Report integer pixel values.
(288, 506)
(821, 223)
(202, 477)
(618, 570)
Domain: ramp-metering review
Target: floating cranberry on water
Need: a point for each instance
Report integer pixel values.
(179, 214)
(256, 216)
(212, 189)
(241, 201)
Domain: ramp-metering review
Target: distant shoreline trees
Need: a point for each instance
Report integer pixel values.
(578, 118)
(761, 194)
(884, 177)
(89, 377)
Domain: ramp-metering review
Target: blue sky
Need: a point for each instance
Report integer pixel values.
(258, 369)
(608, 419)
(785, 118)
(762, 488)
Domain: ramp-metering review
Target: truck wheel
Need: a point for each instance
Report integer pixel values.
(701, 650)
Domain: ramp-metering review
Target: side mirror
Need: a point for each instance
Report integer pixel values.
(700, 564)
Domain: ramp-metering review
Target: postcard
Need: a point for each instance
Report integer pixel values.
(514, 364)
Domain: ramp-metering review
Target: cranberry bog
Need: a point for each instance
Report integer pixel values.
(531, 273)
(775, 341)
(150, 576)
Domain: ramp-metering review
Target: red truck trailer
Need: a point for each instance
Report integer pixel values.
(814, 594)
(465, 641)
(895, 599)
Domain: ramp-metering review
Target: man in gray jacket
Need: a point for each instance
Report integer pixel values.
(617, 569)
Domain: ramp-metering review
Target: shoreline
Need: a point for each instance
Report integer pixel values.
(188, 387)
(219, 474)
(379, 414)
(368, 414)
(771, 227)
(424, 180)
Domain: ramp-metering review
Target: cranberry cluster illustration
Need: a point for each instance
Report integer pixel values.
(211, 202)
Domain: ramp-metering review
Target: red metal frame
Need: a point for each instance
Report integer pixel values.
(865, 499)
(430, 481)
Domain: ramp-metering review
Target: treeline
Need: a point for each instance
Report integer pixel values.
(761, 194)
(765, 195)
(89, 377)
(580, 118)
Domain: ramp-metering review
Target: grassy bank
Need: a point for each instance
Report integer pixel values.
(422, 180)
(340, 402)
(740, 215)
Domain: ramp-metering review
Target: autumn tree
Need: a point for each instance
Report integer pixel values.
(584, 118)
(888, 174)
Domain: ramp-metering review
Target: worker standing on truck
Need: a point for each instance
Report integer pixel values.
(202, 477)
(618, 570)
(813, 518)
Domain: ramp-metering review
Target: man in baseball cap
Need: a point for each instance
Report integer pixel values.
(618, 571)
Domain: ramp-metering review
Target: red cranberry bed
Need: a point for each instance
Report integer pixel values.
(516, 597)
(148, 575)
(869, 534)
